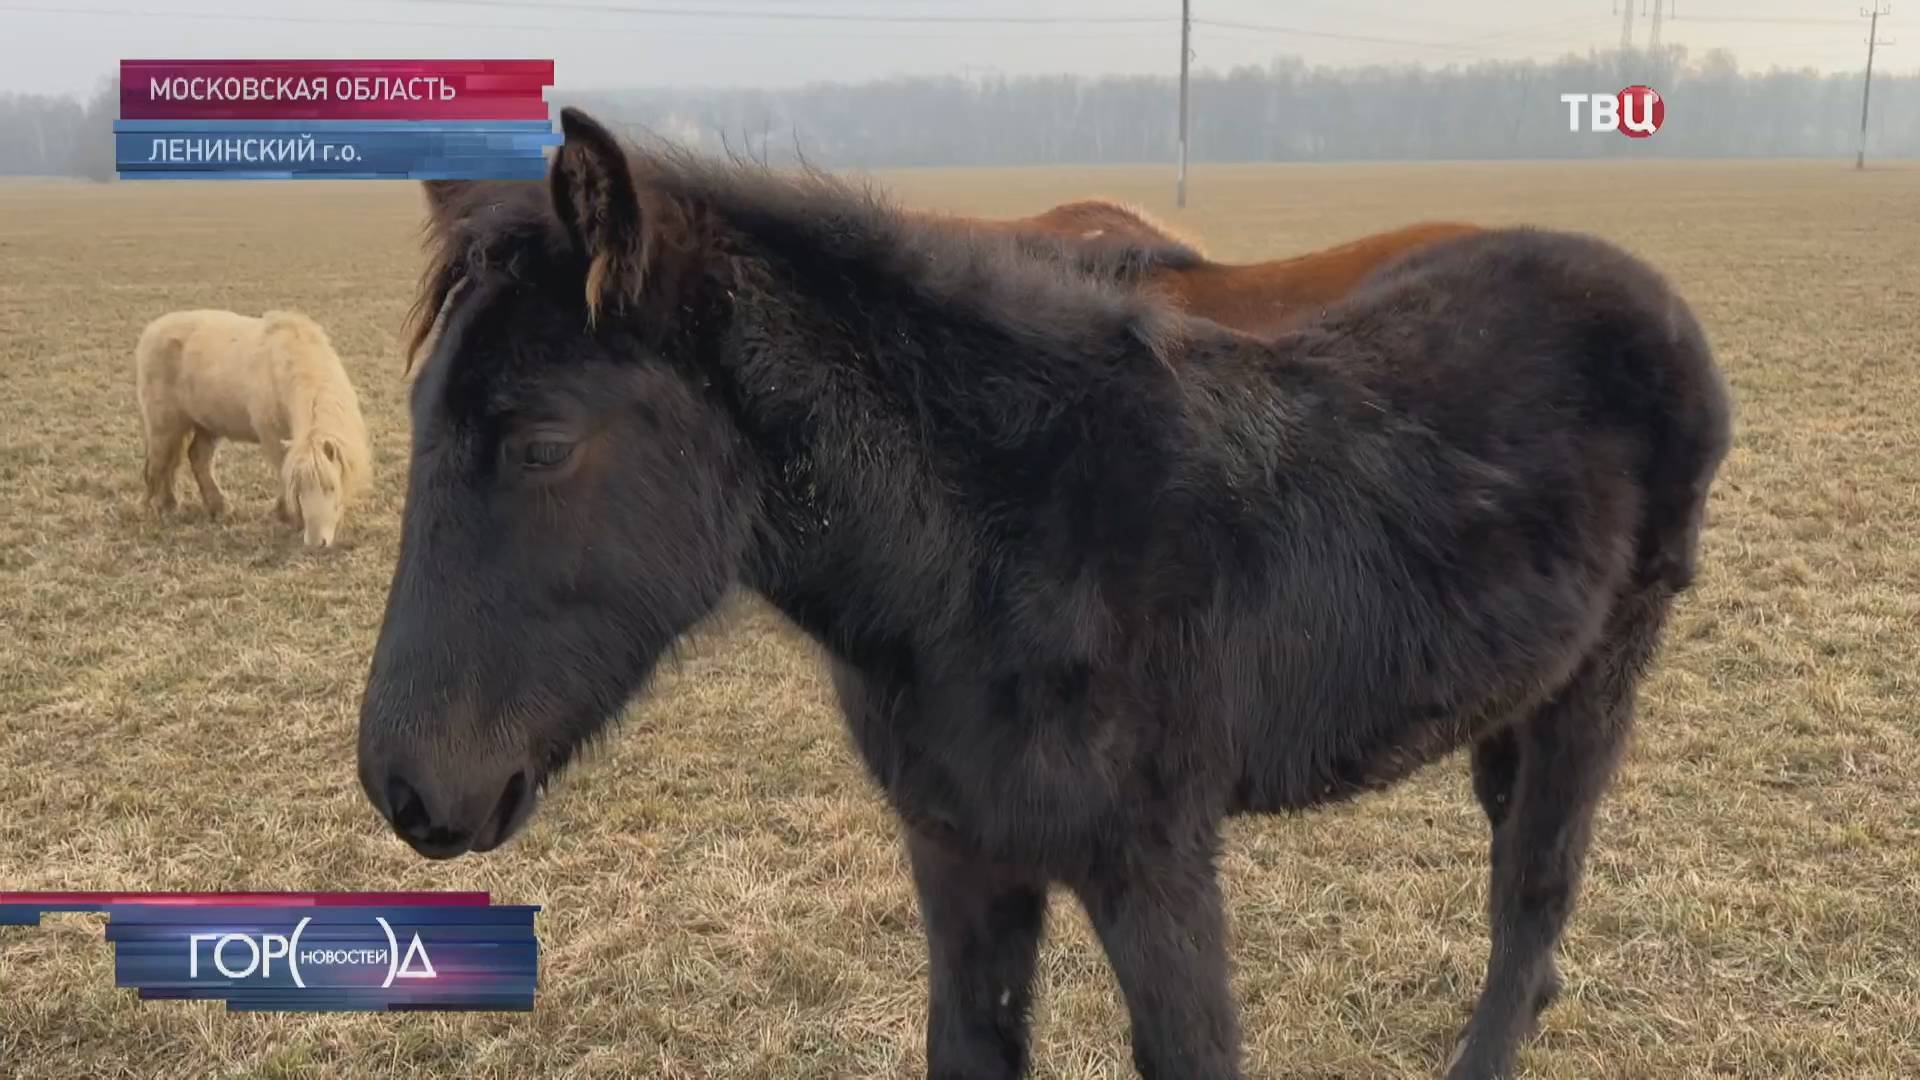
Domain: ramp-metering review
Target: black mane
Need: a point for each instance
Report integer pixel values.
(1044, 290)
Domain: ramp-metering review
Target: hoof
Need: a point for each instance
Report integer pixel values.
(1487, 1060)
(1544, 997)
(1465, 1066)
(1483, 1059)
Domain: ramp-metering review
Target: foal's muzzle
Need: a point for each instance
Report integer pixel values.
(449, 809)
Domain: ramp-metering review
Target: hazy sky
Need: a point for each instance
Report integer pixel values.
(66, 46)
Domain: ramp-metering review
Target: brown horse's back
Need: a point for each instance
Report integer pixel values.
(1265, 298)
(1259, 298)
(1103, 219)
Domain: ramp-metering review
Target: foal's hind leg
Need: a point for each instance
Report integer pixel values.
(200, 456)
(983, 931)
(1160, 920)
(1560, 761)
(1496, 762)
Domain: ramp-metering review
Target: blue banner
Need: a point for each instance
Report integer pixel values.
(421, 150)
(326, 957)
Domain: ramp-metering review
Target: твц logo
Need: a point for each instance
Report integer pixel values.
(1636, 112)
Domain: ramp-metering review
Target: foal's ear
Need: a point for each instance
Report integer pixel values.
(444, 197)
(594, 195)
(443, 193)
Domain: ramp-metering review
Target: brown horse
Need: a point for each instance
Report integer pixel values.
(1262, 298)
(1091, 219)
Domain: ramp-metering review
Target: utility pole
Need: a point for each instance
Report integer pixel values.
(1626, 25)
(1866, 90)
(1186, 51)
(1653, 35)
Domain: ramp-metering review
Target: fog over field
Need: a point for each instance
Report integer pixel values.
(1048, 82)
(53, 47)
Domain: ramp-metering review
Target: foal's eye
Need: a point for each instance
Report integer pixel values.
(545, 453)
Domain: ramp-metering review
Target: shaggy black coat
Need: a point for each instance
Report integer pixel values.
(1092, 577)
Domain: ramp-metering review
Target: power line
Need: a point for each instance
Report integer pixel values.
(1783, 20)
(308, 20)
(1294, 31)
(1062, 20)
(808, 16)
(320, 20)
(1529, 31)
(1625, 10)
(1477, 47)
(1470, 46)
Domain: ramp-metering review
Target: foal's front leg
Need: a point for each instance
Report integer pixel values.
(1160, 920)
(983, 924)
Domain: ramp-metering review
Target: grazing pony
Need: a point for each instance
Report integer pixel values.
(1261, 298)
(209, 375)
(1093, 576)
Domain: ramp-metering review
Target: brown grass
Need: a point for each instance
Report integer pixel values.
(724, 894)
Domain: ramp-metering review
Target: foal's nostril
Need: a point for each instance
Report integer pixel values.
(407, 809)
(442, 823)
(508, 812)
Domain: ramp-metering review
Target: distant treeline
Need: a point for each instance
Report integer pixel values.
(59, 136)
(1286, 111)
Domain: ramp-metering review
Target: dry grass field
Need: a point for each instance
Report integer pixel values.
(724, 895)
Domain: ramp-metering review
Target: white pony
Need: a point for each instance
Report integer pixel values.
(210, 375)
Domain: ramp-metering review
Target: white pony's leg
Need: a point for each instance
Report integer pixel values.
(166, 438)
(200, 456)
(286, 511)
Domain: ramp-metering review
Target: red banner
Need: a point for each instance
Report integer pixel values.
(334, 89)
